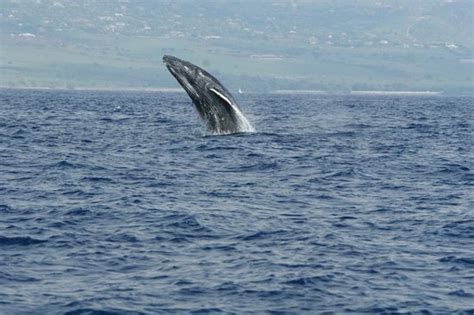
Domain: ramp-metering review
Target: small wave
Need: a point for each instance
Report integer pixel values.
(79, 212)
(195, 290)
(343, 134)
(350, 172)
(461, 293)
(64, 165)
(358, 126)
(208, 310)
(453, 168)
(182, 228)
(206, 147)
(5, 208)
(78, 192)
(233, 134)
(90, 311)
(19, 134)
(377, 309)
(458, 229)
(17, 277)
(19, 241)
(419, 126)
(262, 166)
(227, 286)
(219, 247)
(302, 281)
(261, 235)
(468, 179)
(123, 237)
(97, 179)
(183, 222)
(343, 218)
(466, 261)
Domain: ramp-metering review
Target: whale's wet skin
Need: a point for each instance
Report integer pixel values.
(213, 101)
(117, 202)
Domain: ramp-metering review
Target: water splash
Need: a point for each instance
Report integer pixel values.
(243, 124)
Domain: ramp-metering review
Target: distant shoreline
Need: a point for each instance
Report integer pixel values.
(98, 89)
(279, 92)
(430, 93)
(321, 92)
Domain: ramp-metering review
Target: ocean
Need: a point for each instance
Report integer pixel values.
(120, 203)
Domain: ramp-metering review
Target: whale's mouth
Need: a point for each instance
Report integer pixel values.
(169, 63)
(178, 69)
(181, 72)
(167, 59)
(172, 61)
(171, 69)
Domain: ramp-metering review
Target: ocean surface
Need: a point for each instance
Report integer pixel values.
(120, 203)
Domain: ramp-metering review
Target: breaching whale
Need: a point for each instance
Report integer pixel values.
(214, 103)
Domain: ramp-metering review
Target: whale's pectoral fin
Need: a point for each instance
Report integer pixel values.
(220, 95)
(230, 108)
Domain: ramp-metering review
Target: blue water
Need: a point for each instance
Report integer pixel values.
(119, 203)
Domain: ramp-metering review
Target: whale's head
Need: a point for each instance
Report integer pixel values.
(214, 103)
(187, 74)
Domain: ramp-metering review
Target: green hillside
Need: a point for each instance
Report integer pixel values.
(255, 46)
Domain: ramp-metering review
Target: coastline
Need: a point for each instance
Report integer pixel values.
(98, 89)
(368, 92)
(276, 92)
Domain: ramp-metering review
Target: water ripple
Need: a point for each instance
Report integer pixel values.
(119, 203)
